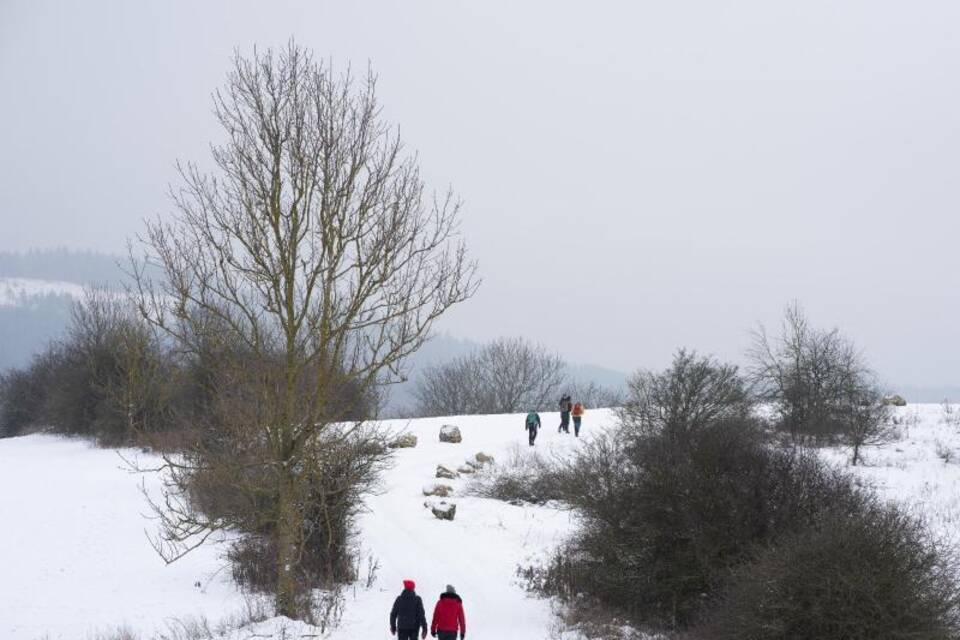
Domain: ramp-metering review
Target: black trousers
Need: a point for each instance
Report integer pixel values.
(533, 435)
(576, 425)
(447, 635)
(564, 422)
(407, 634)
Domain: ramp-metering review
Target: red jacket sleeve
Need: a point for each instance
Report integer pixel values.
(462, 619)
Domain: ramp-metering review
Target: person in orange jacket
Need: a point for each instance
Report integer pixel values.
(448, 616)
(577, 413)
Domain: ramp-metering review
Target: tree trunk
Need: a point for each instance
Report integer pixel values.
(288, 539)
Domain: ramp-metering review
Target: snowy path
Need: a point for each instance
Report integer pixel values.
(74, 558)
(478, 552)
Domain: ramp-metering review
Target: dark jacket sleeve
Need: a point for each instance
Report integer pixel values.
(393, 615)
(421, 615)
(463, 621)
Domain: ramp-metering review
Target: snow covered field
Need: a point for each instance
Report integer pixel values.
(75, 559)
(13, 291)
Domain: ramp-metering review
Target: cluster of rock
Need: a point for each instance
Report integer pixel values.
(444, 510)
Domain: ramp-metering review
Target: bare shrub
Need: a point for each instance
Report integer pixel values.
(345, 467)
(120, 633)
(944, 452)
(108, 377)
(520, 478)
(949, 414)
(696, 391)
(873, 574)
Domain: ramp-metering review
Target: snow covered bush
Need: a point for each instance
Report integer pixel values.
(523, 477)
(874, 573)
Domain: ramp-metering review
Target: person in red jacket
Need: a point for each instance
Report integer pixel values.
(448, 616)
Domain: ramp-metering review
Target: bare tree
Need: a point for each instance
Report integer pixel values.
(819, 384)
(314, 252)
(505, 376)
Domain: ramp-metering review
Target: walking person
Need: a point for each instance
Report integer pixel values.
(565, 407)
(577, 413)
(533, 425)
(448, 616)
(407, 616)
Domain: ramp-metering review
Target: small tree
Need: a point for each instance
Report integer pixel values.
(312, 254)
(819, 384)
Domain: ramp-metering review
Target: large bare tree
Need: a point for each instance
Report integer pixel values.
(314, 251)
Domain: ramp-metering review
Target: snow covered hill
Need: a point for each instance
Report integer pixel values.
(19, 291)
(75, 559)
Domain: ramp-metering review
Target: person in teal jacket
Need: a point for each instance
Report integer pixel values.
(533, 425)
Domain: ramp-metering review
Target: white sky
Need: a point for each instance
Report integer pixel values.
(637, 175)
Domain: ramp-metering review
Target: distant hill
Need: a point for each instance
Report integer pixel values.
(37, 288)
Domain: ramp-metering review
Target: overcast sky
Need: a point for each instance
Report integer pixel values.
(637, 175)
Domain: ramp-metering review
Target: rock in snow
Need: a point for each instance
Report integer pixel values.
(405, 441)
(441, 490)
(483, 458)
(895, 400)
(450, 433)
(443, 510)
(446, 472)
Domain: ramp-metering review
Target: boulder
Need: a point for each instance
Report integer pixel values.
(404, 441)
(483, 458)
(446, 472)
(895, 400)
(466, 468)
(443, 510)
(450, 433)
(440, 490)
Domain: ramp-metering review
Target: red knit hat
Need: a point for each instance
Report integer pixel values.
(409, 585)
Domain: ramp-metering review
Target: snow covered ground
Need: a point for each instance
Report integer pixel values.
(74, 558)
(13, 291)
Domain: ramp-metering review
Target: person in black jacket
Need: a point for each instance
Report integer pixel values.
(565, 407)
(407, 615)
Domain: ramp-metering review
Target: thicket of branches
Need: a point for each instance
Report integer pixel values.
(508, 375)
(108, 378)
